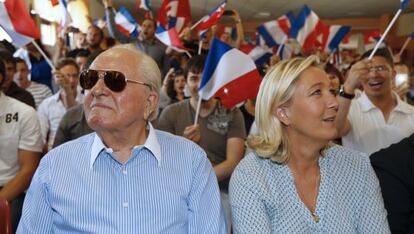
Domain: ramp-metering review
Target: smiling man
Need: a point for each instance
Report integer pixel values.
(378, 118)
(126, 177)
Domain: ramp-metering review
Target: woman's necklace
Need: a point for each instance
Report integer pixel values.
(313, 210)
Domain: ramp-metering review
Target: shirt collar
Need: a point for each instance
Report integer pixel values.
(367, 105)
(151, 144)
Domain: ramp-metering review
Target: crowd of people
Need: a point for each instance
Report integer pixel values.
(108, 144)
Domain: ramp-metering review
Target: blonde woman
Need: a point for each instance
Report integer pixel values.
(294, 181)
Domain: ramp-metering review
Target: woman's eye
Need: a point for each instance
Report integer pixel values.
(316, 92)
(333, 91)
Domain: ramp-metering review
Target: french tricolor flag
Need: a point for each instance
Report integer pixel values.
(229, 74)
(16, 21)
(211, 18)
(65, 16)
(274, 32)
(259, 54)
(126, 23)
(333, 35)
(170, 38)
(306, 29)
(174, 13)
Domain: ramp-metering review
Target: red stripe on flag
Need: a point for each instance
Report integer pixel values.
(20, 18)
(54, 2)
(240, 89)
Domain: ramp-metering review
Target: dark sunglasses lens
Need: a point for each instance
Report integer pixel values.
(115, 81)
(88, 79)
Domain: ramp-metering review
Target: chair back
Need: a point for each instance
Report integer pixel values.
(5, 220)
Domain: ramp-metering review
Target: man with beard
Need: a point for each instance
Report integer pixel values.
(146, 41)
(379, 117)
(94, 38)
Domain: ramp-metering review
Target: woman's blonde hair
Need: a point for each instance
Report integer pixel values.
(276, 90)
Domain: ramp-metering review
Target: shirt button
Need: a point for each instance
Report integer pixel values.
(124, 172)
(125, 204)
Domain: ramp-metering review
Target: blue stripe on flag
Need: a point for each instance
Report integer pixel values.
(270, 42)
(299, 22)
(217, 50)
(127, 15)
(339, 36)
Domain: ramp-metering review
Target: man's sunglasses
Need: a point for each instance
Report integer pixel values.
(114, 80)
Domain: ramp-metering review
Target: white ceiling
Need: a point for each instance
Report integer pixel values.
(250, 10)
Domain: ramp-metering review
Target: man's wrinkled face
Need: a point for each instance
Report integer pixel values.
(108, 110)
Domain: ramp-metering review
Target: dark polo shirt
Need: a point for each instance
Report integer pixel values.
(72, 126)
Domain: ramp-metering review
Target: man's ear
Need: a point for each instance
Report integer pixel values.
(151, 104)
(281, 115)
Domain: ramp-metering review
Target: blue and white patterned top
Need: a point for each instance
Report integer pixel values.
(167, 186)
(263, 197)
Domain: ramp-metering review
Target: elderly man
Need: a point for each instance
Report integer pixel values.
(20, 147)
(126, 177)
(379, 117)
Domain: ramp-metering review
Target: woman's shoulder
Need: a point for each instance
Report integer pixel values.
(346, 160)
(257, 169)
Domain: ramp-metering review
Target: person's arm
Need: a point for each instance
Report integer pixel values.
(67, 94)
(234, 153)
(28, 161)
(43, 115)
(358, 72)
(248, 209)
(112, 29)
(239, 29)
(37, 212)
(372, 216)
(204, 204)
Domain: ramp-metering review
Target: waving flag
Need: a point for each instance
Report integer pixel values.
(260, 55)
(274, 32)
(306, 28)
(170, 38)
(229, 74)
(16, 21)
(54, 2)
(145, 4)
(126, 23)
(404, 4)
(210, 19)
(174, 13)
(65, 19)
(332, 36)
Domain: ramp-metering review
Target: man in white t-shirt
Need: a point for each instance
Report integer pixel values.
(39, 91)
(20, 148)
(378, 118)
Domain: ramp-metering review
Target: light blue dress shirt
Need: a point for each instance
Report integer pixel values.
(264, 199)
(167, 186)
